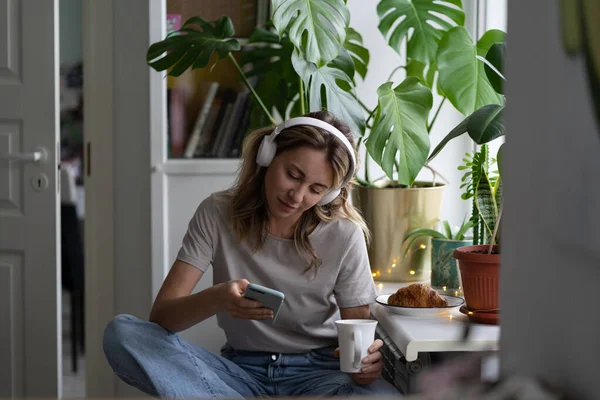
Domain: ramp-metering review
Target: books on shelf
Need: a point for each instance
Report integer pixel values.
(220, 125)
(194, 139)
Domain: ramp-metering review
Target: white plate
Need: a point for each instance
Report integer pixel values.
(453, 303)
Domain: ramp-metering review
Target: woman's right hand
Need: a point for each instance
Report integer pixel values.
(236, 305)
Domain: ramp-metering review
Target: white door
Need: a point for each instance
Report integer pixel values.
(29, 215)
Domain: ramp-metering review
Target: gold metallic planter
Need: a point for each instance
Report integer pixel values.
(390, 214)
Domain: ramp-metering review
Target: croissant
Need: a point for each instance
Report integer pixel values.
(417, 295)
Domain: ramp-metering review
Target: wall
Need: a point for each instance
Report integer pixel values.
(180, 210)
(551, 259)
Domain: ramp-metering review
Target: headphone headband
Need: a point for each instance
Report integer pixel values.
(317, 123)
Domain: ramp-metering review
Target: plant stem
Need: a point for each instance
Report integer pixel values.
(371, 115)
(249, 86)
(436, 114)
(360, 181)
(302, 99)
(367, 166)
(394, 71)
(436, 173)
(362, 104)
(367, 181)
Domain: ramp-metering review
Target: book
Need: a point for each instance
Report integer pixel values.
(176, 122)
(173, 22)
(194, 139)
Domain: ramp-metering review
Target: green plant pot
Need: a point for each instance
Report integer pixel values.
(444, 271)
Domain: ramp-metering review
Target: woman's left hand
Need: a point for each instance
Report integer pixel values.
(372, 365)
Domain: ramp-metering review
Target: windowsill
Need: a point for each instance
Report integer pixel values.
(440, 333)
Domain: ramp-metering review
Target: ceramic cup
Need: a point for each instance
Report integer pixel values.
(355, 336)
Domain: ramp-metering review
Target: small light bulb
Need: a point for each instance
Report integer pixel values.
(374, 274)
(411, 272)
(423, 246)
(470, 313)
(378, 273)
(444, 288)
(389, 271)
(380, 286)
(394, 265)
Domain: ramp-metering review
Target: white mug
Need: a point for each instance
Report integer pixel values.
(355, 336)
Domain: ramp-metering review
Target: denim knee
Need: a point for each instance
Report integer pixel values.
(117, 333)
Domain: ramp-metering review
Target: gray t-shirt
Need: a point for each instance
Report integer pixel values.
(306, 319)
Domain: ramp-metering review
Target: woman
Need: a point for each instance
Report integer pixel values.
(287, 224)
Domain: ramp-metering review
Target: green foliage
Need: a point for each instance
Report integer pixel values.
(269, 59)
(400, 127)
(359, 54)
(308, 58)
(495, 56)
(188, 47)
(444, 232)
(324, 90)
(316, 27)
(461, 73)
(423, 18)
(483, 126)
(483, 184)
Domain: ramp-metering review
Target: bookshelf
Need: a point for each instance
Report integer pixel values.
(208, 111)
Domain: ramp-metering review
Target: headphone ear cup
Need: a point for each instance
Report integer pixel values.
(329, 197)
(266, 152)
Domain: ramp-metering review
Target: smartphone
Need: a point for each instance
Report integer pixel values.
(269, 298)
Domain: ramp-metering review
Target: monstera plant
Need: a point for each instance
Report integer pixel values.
(307, 58)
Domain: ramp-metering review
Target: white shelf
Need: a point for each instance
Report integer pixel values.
(199, 166)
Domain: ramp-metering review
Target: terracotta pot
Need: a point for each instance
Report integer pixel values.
(479, 273)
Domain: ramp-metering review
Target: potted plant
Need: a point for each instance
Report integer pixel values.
(444, 240)
(479, 263)
(308, 58)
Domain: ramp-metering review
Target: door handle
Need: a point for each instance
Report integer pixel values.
(39, 155)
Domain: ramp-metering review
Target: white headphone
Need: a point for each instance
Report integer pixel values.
(268, 148)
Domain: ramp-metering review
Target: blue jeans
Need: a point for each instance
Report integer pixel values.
(160, 363)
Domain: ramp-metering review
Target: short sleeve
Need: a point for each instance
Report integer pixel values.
(354, 286)
(198, 244)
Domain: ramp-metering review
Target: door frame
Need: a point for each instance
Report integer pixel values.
(99, 223)
(123, 109)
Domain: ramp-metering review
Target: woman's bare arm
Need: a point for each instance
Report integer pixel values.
(360, 312)
(174, 308)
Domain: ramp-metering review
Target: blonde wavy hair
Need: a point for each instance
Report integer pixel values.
(250, 214)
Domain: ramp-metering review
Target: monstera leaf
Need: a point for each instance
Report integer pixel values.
(269, 58)
(495, 56)
(345, 63)
(417, 69)
(461, 75)
(486, 124)
(399, 136)
(428, 20)
(317, 27)
(189, 47)
(359, 54)
(324, 91)
(483, 126)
